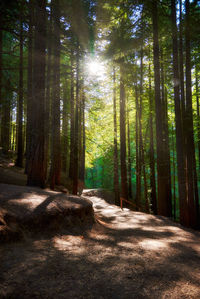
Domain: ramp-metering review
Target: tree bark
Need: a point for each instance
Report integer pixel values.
(56, 146)
(29, 84)
(164, 204)
(115, 157)
(193, 206)
(129, 155)
(48, 94)
(124, 185)
(179, 125)
(76, 129)
(36, 167)
(19, 160)
(71, 121)
(1, 66)
(153, 198)
(65, 120)
(198, 113)
(138, 153)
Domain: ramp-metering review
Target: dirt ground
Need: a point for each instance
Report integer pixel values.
(125, 254)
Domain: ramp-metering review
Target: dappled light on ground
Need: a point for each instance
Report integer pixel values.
(125, 254)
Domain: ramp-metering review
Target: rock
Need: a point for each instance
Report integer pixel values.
(28, 210)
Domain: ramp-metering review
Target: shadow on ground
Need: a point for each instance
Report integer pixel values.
(126, 255)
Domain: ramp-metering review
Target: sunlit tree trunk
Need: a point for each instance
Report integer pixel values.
(19, 160)
(166, 148)
(141, 145)
(138, 160)
(36, 166)
(116, 172)
(124, 185)
(164, 204)
(151, 150)
(71, 161)
(56, 145)
(76, 127)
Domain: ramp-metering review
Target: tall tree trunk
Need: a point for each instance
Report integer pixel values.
(116, 171)
(124, 185)
(76, 128)
(1, 65)
(190, 148)
(129, 154)
(48, 94)
(166, 148)
(65, 121)
(198, 113)
(141, 146)
(5, 121)
(29, 83)
(181, 69)
(36, 167)
(71, 161)
(19, 160)
(56, 146)
(153, 198)
(179, 128)
(164, 204)
(82, 157)
(138, 155)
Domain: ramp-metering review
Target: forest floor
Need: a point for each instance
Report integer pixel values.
(125, 254)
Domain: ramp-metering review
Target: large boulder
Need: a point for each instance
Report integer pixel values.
(25, 210)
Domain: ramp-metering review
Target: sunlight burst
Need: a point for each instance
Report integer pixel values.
(95, 67)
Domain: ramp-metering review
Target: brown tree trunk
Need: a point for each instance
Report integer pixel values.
(19, 160)
(129, 154)
(116, 171)
(124, 185)
(82, 157)
(65, 120)
(166, 148)
(71, 161)
(56, 146)
(164, 204)
(29, 83)
(1, 65)
(48, 94)
(5, 122)
(181, 69)
(190, 148)
(179, 128)
(138, 155)
(36, 167)
(198, 114)
(141, 146)
(76, 129)
(153, 198)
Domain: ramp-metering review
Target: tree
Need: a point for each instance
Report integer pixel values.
(124, 185)
(36, 168)
(56, 146)
(164, 203)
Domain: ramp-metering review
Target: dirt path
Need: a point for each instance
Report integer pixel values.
(125, 255)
